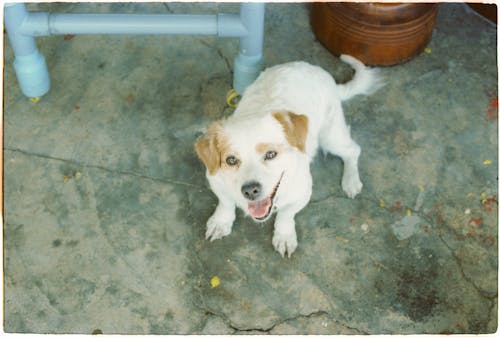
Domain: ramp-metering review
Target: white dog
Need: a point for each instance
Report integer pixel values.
(258, 158)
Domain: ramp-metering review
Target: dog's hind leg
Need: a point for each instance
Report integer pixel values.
(335, 138)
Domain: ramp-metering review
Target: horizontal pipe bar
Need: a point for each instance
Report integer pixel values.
(43, 24)
(131, 24)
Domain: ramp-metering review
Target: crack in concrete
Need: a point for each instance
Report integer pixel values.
(490, 296)
(265, 330)
(340, 196)
(314, 314)
(487, 295)
(220, 53)
(168, 8)
(109, 170)
(484, 293)
(268, 330)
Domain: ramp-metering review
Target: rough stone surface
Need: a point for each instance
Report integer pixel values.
(106, 202)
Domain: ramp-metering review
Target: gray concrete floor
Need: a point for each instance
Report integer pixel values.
(106, 201)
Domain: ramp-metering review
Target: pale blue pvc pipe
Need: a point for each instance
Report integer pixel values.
(24, 25)
(42, 24)
(252, 17)
(248, 63)
(14, 17)
(29, 63)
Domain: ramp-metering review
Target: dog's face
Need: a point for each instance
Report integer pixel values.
(251, 160)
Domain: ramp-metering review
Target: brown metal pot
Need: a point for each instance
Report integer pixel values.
(376, 33)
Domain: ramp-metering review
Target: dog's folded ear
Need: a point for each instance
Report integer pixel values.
(208, 147)
(295, 128)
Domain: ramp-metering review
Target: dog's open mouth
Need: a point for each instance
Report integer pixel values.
(261, 210)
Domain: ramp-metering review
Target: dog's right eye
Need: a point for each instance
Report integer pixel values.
(232, 160)
(270, 155)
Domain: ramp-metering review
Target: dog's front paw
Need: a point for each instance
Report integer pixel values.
(218, 227)
(285, 243)
(351, 184)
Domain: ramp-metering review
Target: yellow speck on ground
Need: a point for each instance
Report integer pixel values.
(214, 281)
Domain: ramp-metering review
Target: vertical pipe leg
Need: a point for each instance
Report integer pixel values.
(29, 64)
(248, 63)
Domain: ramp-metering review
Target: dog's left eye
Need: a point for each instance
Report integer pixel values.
(270, 155)
(232, 160)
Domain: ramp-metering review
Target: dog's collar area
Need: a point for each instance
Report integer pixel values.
(262, 209)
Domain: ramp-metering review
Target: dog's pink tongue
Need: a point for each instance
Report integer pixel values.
(259, 209)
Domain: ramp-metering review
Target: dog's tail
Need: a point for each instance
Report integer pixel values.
(366, 80)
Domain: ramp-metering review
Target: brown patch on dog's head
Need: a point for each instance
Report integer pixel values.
(295, 128)
(262, 148)
(211, 147)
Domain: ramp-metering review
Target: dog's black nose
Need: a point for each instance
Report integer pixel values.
(251, 190)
